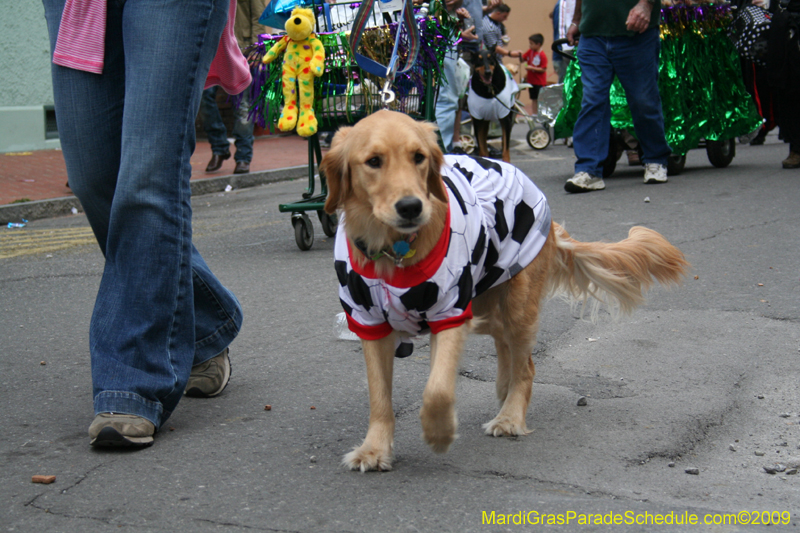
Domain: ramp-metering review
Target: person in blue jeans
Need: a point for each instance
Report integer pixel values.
(218, 135)
(247, 29)
(617, 37)
(162, 322)
(448, 105)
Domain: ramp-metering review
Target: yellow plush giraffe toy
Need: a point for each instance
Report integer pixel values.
(304, 58)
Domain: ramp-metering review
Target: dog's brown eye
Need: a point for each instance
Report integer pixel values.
(419, 158)
(374, 162)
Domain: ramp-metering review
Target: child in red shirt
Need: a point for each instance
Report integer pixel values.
(536, 65)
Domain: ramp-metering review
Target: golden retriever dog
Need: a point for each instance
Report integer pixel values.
(412, 255)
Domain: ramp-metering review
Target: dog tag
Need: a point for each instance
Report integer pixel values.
(401, 248)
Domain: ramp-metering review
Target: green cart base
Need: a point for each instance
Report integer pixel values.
(303, 229)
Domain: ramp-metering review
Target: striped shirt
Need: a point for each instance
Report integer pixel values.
(492, 32)
(82, 36)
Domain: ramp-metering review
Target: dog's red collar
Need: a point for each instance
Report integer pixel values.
(412, 275)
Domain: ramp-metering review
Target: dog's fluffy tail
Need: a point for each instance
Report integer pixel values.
(615, 274)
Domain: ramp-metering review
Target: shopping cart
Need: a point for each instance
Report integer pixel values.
(345, 92)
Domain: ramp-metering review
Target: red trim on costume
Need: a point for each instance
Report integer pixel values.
(755, 92)
(370, 333)
(413, 275)
(452, 322)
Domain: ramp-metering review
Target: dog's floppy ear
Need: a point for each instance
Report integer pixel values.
(334, 167)
(435, 183)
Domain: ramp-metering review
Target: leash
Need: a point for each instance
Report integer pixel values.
(502, 104)
(373, 67)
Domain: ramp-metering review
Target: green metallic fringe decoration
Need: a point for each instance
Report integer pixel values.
(700, 80)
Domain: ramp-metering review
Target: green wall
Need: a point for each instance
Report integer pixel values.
(25, 84)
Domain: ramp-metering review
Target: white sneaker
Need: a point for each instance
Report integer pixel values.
(584, 182)
(655, 173)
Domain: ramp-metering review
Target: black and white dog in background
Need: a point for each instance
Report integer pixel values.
(490, 98)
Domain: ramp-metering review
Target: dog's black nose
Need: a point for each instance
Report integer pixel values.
(297, 21)
(409, 207)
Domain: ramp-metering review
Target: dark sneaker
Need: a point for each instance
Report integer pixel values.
(494, 153)
(210, 378)
(458, 150)
(114, 430)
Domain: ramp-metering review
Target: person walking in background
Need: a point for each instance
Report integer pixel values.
(754, 74)
(617, 37)
(783, 69)
(247, 30)
(127, 82)
(448, 105)
(563, 14)
(536, 65)
(553, 16)
(492, 32)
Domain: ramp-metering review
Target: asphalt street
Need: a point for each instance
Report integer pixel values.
(703, 376)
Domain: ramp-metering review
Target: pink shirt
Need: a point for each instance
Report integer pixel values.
(81, 45)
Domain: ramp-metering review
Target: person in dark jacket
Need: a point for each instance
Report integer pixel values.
(247, 30)
(783, 67)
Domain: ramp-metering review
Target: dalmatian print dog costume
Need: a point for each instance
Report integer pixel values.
(497, 223)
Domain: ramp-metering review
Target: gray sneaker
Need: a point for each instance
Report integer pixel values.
(655, 173)
(584, 182)
(210, 378)
(114, 430)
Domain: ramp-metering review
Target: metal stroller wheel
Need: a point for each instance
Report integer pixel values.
(467, 143)
(303, 231)
(538, 138)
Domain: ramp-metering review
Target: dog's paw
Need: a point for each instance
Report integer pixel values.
(365, 458)
(440, 443)
(439, 432)
(503, 426)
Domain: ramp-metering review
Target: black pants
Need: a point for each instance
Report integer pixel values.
(783, 67)
(789, 119)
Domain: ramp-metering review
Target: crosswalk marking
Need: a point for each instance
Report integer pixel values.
(16, 242)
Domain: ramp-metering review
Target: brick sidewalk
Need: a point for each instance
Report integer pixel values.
(41, 175)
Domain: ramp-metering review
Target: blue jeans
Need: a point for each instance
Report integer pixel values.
(127, 136)
(218, 134)
(634, 60)
(447, 101)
